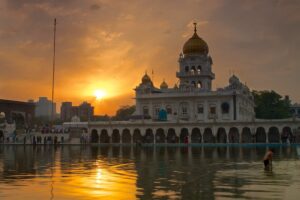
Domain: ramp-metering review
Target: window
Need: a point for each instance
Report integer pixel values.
(199, 69)
(199, 84)
(186, 68)
(145, 110)
(212, 109)
(184, 108)
(193, 70)
(200, 109)
(169, 109)
(225, 108)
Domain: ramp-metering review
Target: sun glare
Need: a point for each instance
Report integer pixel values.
(99, 94)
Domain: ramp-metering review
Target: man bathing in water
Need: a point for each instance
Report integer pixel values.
(268, 159)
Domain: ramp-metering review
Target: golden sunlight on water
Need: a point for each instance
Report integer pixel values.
(125, 173)
(101, 182)
(83, 179)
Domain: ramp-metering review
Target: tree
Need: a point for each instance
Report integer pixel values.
(124, 112)
(271, 105)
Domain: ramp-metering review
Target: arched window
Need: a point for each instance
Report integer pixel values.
(199, 84)
(199, 68)
(225, 108)
(193, 70)
(186, 68)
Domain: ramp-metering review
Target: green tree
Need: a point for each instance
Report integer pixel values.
(124, 112)
(271, 105)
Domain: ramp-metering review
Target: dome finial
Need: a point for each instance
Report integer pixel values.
(195, 27)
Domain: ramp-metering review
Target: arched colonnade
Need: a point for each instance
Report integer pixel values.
(260, 134)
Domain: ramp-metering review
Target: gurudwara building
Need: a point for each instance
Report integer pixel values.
(191, 111)
(193, 99)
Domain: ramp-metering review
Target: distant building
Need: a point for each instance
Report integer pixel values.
(295, 110)
(19, 112)
(84, 111)
(66, 111)
(44, 108)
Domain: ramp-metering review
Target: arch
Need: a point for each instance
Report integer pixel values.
(221, 135)
(199, 68)
(287, 135)
(260, 135)
(162, 115)
(233, 135)
(94, 136)
(196, 136)
(160, 136)
(273, 135)
(1, 136)
(149, 137)
(199, 84)
(193, 70)
(186, 69)
(55, 140)
(115, 137)
(246, 135)
(126, 137)
(137, 136)
(171, 136)
(208, 136)
(104, 138)
(49, 139)
(184, 134)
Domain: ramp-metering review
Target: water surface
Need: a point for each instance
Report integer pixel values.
(87, 172)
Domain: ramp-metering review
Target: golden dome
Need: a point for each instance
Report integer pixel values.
(164, 85)
(195, 45)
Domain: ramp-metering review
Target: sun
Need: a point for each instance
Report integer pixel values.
(99, 94)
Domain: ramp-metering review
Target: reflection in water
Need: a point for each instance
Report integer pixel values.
(85, 172)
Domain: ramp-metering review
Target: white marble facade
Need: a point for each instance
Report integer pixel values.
(193, 98)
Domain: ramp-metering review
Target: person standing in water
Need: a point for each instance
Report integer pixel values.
(268, 159)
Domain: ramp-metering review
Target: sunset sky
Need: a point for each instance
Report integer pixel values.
(107, 45)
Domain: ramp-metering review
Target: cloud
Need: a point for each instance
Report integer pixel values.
(95, 7)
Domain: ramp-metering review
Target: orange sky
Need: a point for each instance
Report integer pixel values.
(109, 44)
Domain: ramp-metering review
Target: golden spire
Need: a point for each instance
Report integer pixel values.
(195, 27)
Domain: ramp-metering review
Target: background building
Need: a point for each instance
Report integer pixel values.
(44, 108)
(85, 111)
(19, 112)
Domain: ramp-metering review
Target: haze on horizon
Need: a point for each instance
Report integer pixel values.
(108, 45)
